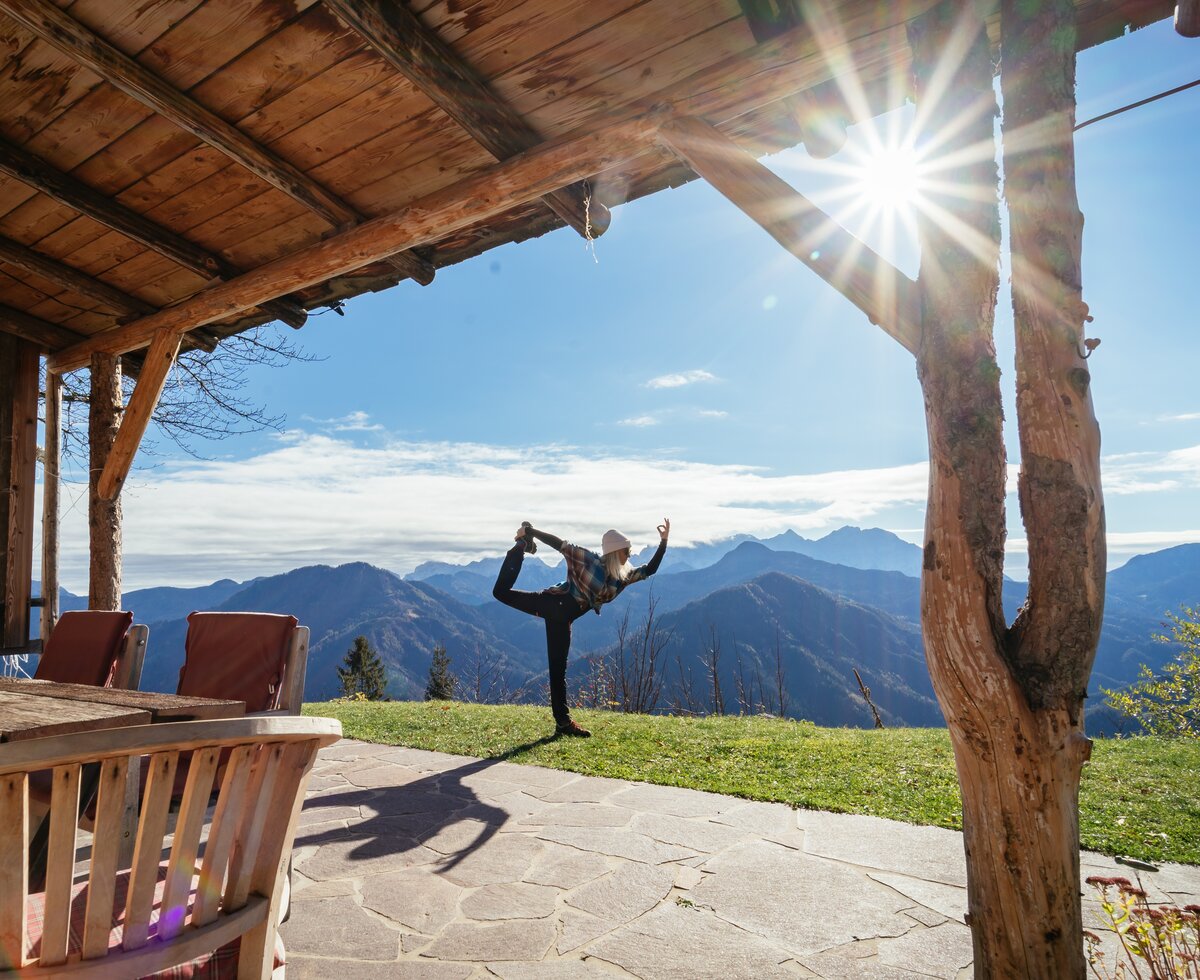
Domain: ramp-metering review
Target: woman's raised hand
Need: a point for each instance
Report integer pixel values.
(664, 528)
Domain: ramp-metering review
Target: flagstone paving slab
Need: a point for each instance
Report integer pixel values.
(414, 898)
(325, 925)
(828, 904)
(412, 864)
(525, 941)
(626, 893)
(510, 900)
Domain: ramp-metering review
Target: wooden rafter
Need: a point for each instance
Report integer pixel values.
(159, 358)
(1187, 18)
(77, 42)
(16, 254)
(453, 85)
(474, 200)
(35, 172)
(870, 282)
(46, 335)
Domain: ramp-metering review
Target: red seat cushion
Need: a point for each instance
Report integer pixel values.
(83, 647)
(237, 656)
(217, 965)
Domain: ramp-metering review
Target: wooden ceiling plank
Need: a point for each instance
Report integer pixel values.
(870, 282)
(26, 259)
(54, 26)
(159, 358)
(29, 169)
(48, 336)
(451, 84)
(477, 199)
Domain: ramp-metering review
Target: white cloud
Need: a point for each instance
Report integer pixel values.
(321, 499)
(712, 413)
(325, 499)
(639, 421)
(680, 380)
(352, 422)
(1184, 417)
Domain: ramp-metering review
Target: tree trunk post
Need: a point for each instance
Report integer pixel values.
(51, 462)
(104, 516)
(20, 447)
(1012, 698)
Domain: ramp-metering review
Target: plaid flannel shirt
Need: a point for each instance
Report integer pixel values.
(588, 582)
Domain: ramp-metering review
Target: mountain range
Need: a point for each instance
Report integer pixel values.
(785, 612)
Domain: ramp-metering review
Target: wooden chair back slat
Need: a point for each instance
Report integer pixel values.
(250, 831)
(147, 852)
(106, 849)
(186, 843)
(14, 865)
(295, 668)
(254, 821)
(271, 862)
(60, 864)
(127, 675)
(224, 827)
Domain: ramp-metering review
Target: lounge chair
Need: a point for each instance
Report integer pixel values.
(89, 646)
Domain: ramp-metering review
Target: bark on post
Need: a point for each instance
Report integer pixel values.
(20, 445)
(1012, 698)
(51, 460)
(104, 516)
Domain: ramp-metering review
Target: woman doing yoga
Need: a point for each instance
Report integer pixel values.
(592, 580)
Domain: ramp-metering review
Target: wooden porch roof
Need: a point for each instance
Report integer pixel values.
(150, 150)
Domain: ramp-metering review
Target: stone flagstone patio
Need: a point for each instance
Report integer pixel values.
(413, 864)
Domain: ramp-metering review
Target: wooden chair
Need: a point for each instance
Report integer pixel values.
(216, 897)
(90, 646)
(259, 658)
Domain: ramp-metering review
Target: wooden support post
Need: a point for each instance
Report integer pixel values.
(49, 23)
(26, 259)
(20, 443)
(44, 335)
(104, 516)
(886, 295)
(145, 396)
(473, 200)
(1187, 18)
(51, 460)
(450, 83)
(35, 172)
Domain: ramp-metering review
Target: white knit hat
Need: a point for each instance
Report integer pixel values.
(614, 541)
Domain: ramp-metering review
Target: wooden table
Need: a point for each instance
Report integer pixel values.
(34, 709)
(37, 709)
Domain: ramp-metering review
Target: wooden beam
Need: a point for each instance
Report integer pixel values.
(472, 201)
(51, 461)
(870, 282)
(21, 443)
(63, 32)
(46, 335)
(452, 85)
(1187, 18)
(26, 259)
(36, 173)
(160, 357)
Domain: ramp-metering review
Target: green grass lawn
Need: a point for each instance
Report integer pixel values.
(1138, 799)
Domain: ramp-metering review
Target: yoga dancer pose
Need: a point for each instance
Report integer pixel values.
(592, 580)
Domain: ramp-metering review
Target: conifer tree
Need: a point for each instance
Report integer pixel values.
(363, 671)
(442, 683)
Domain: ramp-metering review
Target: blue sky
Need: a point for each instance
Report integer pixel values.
(688, 367)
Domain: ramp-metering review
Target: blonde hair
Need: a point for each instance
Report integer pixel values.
(616, 569)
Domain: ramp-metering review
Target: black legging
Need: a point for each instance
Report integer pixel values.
(559, 611)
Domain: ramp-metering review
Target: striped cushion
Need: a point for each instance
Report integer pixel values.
(217, 965)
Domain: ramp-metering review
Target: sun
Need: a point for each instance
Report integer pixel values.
(889, 178)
